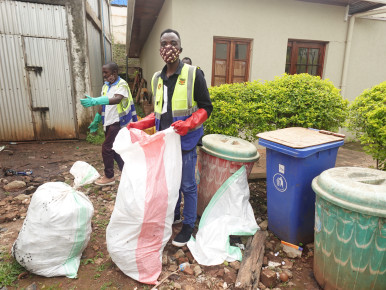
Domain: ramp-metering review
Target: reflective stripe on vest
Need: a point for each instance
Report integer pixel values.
(126, 108)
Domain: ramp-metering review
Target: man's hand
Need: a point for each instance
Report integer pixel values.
(89, 102)
(196, 119)
(147, 122)
(181, 127)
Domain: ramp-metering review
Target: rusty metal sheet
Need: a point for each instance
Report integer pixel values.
(50, 88)
(94, 6)
(95, 54)
(106, 17)
(32, 19)
(15, 115)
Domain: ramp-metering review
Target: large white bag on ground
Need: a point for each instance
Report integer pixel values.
(57, 227)
(228, 213)
(141, 223)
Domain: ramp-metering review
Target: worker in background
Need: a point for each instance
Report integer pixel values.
(181, 101)
(116, 111)
(187, 60)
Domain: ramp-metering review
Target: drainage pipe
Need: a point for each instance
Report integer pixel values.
(348, 44)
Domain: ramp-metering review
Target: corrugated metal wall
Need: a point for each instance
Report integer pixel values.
(38, 92)
(95, 56)
(107, 32)
(108, 44)
(15, 115)
(51, 102)
(36, 89)
(97, 49)
(31, 19)
(109, 54)
(95, 6)
(106, 17)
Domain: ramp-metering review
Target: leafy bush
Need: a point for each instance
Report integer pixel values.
(367, 118)
(96, 138)
(245, 109)
(239, 107)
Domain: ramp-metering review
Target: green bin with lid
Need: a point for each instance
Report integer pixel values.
(350, 228)
(220, 157)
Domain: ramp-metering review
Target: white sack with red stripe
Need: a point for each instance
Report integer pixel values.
(141, 223)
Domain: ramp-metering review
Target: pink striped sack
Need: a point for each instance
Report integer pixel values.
(141, 223)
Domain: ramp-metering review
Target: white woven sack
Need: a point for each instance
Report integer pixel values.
(141, 223)
(228, 213)
(57, 227)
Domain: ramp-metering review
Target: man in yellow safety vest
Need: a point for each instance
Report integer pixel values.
(117, 111)
(181, 100)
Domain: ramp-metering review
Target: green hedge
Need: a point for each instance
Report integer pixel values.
(367, 119)
(245, 109)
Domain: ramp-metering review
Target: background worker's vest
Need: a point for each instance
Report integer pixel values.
(126, 108)
(183, 103)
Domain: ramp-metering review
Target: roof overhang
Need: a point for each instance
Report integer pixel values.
(355, 6)
(142, 14)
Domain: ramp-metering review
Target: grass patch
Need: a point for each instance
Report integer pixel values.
(101, 268)
(106, 285)
(87, 261)
(96, 138)
(99, 255)
(9, 269)
(102, 224)
(56, 286)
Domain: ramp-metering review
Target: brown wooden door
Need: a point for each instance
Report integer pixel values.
(230, 61)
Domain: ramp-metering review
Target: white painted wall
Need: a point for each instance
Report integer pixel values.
(150, 58)
(270, 23)
(367, 65)
(118, 23)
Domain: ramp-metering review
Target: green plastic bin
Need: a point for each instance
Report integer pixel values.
(350, 228)
(220, 157)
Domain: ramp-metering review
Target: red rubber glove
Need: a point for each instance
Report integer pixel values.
(196, 119)
(147, 122)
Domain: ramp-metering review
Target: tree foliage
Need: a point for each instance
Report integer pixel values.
(367, 118)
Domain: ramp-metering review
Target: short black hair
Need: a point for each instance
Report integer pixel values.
(170, 31)
(112, 66)
(188, 59)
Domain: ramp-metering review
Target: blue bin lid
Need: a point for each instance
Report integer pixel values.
(354, 188)
(299, 153)
(229, 148)
(299, 142)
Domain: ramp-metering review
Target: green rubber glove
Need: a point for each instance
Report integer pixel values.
(89, 102)
(94, 124)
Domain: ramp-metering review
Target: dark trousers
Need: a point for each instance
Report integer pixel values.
(108, 154)
(188, 187)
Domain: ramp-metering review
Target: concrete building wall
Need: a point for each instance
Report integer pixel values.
(367, 66)
(270, 23)
(118, 24)
(151, 60)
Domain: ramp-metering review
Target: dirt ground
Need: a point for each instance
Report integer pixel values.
(51, 161)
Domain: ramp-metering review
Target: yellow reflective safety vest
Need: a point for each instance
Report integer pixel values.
(183, 103)
(126, 108)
